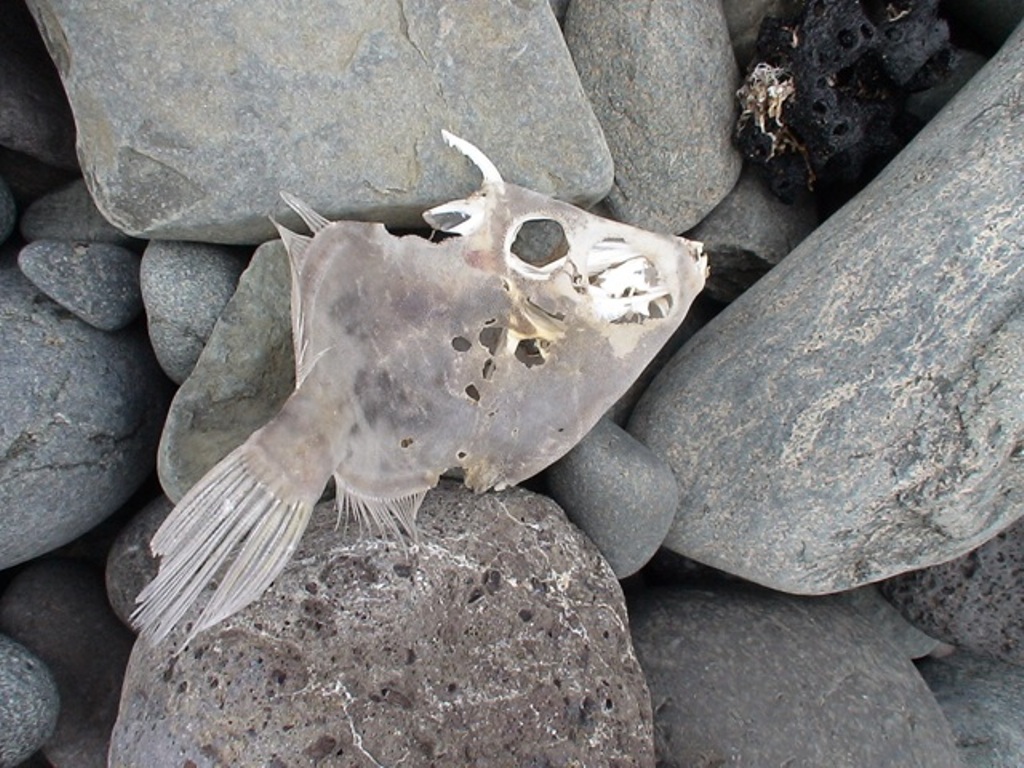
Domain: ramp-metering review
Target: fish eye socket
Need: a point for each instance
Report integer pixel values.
(540, 242)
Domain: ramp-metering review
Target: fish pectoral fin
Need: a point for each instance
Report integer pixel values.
(392, 515)
(230, 512)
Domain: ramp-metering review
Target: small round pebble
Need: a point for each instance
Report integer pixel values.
(185, 287)
(131, 564)
(621, 495)
(97, 282)
(29, 703)
(69, 213)
(8, 211)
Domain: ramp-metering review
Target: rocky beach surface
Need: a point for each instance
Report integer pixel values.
(797, 540)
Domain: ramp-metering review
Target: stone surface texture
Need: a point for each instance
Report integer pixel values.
(983, 700)
(750, 678)
(662, 79)
(242, 377)
(130, 562)
(69, 213)
(619, 493)
(857, 413)
(500, 639)
(29, 703)
(185, 287)
(80, 418)
(341, 103)
(974, 602)
(748, 233)
(743, 19)
(97, 282)
(8, 211)
(58, 610)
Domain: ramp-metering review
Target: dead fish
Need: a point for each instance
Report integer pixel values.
(414, 357)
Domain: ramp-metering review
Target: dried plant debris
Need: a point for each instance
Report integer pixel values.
(824, 102)
(493, 350)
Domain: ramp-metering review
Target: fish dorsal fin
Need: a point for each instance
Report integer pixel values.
(313, 220)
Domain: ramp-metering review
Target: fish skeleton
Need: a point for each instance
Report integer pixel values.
(415, 357)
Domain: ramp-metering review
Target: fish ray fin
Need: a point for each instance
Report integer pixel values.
(313, 220)
(230, 510)
(386, 515)
(294, 243)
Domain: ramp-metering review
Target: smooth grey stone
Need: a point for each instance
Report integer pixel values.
(926, 104)
(8, 211)
(662, 80)
(974, 602)
(501, 639)
(131, 564)
(80, 417)
(888, 622)
(185, 287)
(341, 103)
(750, 678)
(97, 282)
(993, 20)
(69, 213)
(621, 495)
(856, 413)
(58, 610)
(743, 19)
(243, 376)
(983, 700)
(748, 233)
(35, 118)
(29, 703)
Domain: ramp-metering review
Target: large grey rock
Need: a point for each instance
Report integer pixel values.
(341, 103)
(499, 640)
(69, 213)
(58, 610)
(97, 282)
(983, 700)
(185, 287)
(244, 374)
(35, 118)
(80, 417)
(749, 678)
(621, 495)
(662, 80)
(29, 703)
(974, 602)
(888, 622)
(749, 232)
(857, 412)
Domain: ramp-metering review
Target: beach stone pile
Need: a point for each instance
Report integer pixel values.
(796, 540)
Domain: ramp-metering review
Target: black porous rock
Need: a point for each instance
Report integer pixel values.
(974, 602)
(57, 608)
(29, 703)
(98, 282)
(743, 677)
(824, 102)
(501, 639)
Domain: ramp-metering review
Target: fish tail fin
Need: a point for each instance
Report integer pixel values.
(394, 515)
(236, 509)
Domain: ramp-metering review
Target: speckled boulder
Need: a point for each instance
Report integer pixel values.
(58, 610)
(499, 640)
(974, 602)
(743, 677)
(80, 416)
(29, 703)
(339, 101)
(242, 377)
(857, 412)
(662, 79)
(185, 287)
